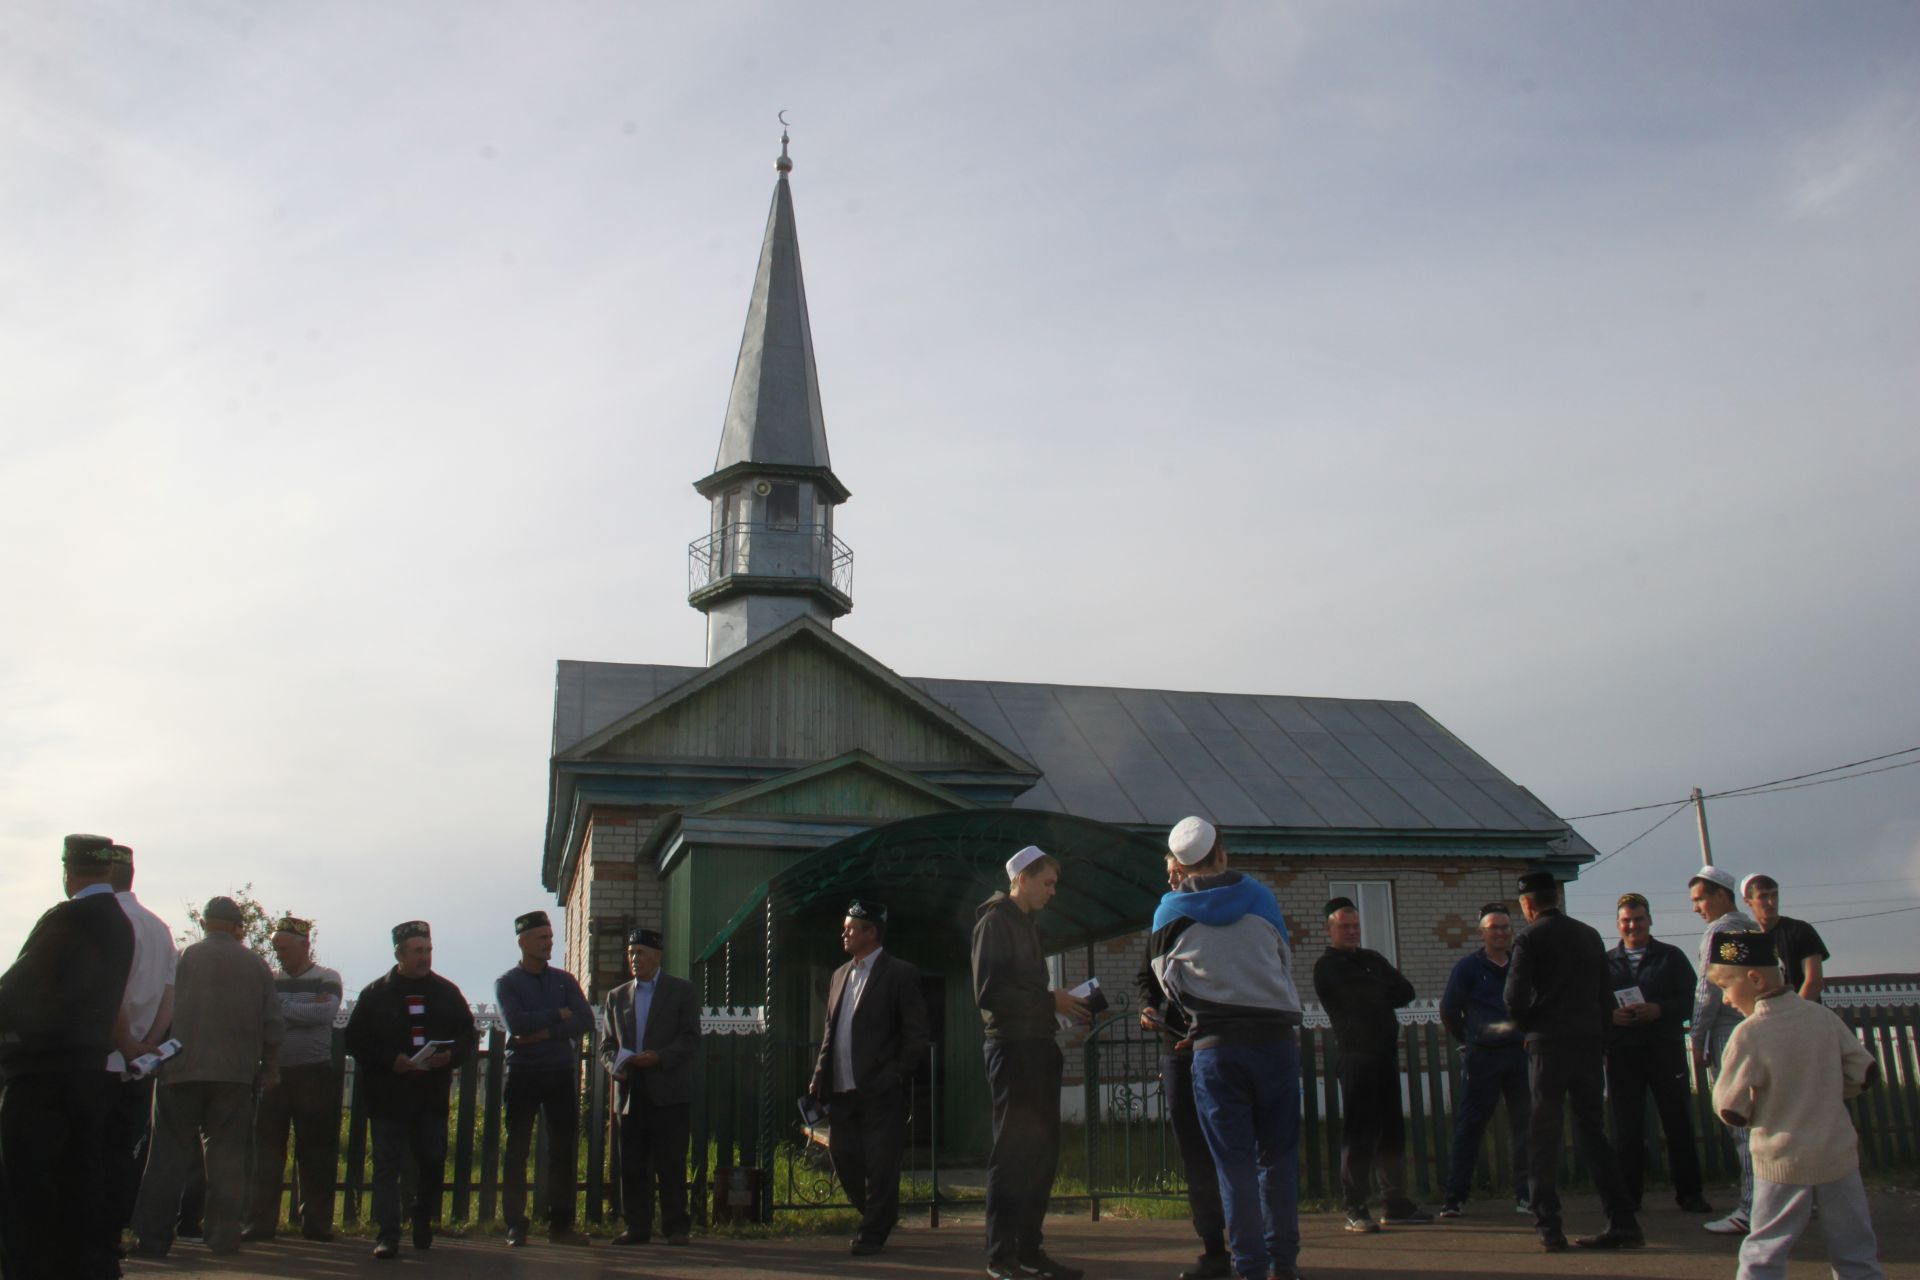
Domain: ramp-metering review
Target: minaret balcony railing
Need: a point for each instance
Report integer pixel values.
(753, 547)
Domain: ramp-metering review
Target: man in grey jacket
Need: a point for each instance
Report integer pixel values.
(1712, 893)
(226, 1016)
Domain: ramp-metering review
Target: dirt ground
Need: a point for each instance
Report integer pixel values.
(1492, 1242)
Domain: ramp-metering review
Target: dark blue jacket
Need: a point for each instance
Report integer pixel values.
(1474, 1006)
(530, 1003)
(1666, 978)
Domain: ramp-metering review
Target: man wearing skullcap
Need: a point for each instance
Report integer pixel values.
(1494, 1065)
(1018, 1010)
(60, 1015)
(1647, 1053)
(409, 1029)
(226, 1016)
(874, 1039)
(307, 1096)
(1221, 951)
(546, 1014)
(1784, 1076)
(148, 1009)
(1160, 1014)
(1803, 953)
(1360, 989)
(652, 1034)
(1712, 892)
(1560, 994)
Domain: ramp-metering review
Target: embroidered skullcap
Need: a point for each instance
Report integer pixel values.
(638, 937)
(1191, 840)
(95, 853)
(860, 909)
(293, 924)
(1020, 861)
(1747, 950)
(531, 920)
(1758, 880)
(223, 908)
(1633, 900)
(1541, 883)
(1339, 904)
(1715, 876)
(412, 929)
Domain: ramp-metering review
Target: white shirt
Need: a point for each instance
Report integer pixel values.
(843, 1022)
(154, 958)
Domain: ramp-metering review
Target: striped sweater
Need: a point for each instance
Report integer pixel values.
(309, 1002)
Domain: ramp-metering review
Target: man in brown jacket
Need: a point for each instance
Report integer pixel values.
(226, 1016)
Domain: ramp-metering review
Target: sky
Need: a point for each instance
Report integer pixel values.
(1549, 365)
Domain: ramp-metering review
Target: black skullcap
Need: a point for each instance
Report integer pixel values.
(293, 924)
(1339, 904)
(1539, 882)
(531, 920)
(637, 936)
(412, 929)
(1746, 950)
(120, 855)
(1494, 909)
(92, 853)
(223, 908)
(860, 909)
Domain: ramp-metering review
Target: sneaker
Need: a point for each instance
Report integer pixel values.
(423, 1235)
(1614, 1238)
(387, 1250)
(1731, 1225)
(1553, 1241)
(1451, 1209)
(1004, 1271)
(1210, 1266)
(1520, 1205)
(1412, 1216)
(1695, 1204)
(1041, 1267)
(517, 1236)
(627, 1239)
(1360, 1222)
(863, 1248)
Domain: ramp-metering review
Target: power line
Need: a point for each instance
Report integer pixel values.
(1870, 915)
(1642, 836)
(1759, 787)
(1767, 791)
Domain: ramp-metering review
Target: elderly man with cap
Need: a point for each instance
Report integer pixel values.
(1711, 891)
(148, 1009)
(1559, 993)
(307, 1096)
(1803, 953)
(1360, 989)
(409, 1029)
(60, 1015)
(1653, 983)
(874, 1038)
(226, 1016)
(1494, 1065)
(546, 1014)
(1018, 1010)
(1220, 949)
(652, 1034)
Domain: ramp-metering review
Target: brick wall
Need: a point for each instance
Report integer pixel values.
(610, 893)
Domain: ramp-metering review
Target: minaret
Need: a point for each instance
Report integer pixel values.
(770, 555)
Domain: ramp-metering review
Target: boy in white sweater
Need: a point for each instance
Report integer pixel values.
(1786, 1071)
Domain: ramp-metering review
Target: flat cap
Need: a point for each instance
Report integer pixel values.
(531, 920)
(1715, 876)
(412, 929)
(1747, 950)
(223, 908)
(638, 937)
(1191, 840)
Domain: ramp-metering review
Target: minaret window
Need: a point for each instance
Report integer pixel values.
(783, 507)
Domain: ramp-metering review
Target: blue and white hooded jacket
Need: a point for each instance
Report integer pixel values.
(1220, 949)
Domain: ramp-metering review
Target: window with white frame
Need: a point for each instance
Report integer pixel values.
(1375, 900)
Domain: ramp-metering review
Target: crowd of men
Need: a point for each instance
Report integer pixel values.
(94, 1142)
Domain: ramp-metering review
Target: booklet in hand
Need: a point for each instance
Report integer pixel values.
(144, 1065)
(1629, 997)
(811, 1113)
(1090, 992)
(427, 1051)
(621, 1059)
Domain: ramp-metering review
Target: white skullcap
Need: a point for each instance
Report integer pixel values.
(1022, 860)
(1716, 875)
(1191, 840)
(1747, 883)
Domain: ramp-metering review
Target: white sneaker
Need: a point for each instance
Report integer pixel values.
(1731, 1225)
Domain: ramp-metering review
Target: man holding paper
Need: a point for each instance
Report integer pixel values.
(1653, 986)
(652, 1034)
(408, 1031)
(875, 1035)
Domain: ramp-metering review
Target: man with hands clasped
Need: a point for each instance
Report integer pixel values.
(652, 1033)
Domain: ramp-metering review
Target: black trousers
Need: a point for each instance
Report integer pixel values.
(1662, 1069)
(307, 1099)
(1373, 1132)
(653, 1153)
(1203, 1181)
(1569, 1079)
(1024, 1079)
(867, 1136)
(54, 1223)
(422, 1135)
(553, 1094)
(129, 1134)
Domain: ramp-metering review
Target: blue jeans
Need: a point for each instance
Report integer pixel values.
(1490, 1075)
(1248, 1096)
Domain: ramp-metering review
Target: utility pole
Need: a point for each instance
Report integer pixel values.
(1700, 816)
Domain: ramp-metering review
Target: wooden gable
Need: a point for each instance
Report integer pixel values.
(800, 695)
(853, 785)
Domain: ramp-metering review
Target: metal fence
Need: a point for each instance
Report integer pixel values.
(753, 1157)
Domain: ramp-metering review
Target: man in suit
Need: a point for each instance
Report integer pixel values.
(652, 1035)
(1560, 994)
(1647, 1051)
(875, 1035)
(60, 1016)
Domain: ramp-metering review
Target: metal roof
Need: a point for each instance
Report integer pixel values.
(1135, 757)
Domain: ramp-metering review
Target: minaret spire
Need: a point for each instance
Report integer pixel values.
(770, 555)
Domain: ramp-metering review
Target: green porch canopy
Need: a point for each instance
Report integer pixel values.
(933, 871)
